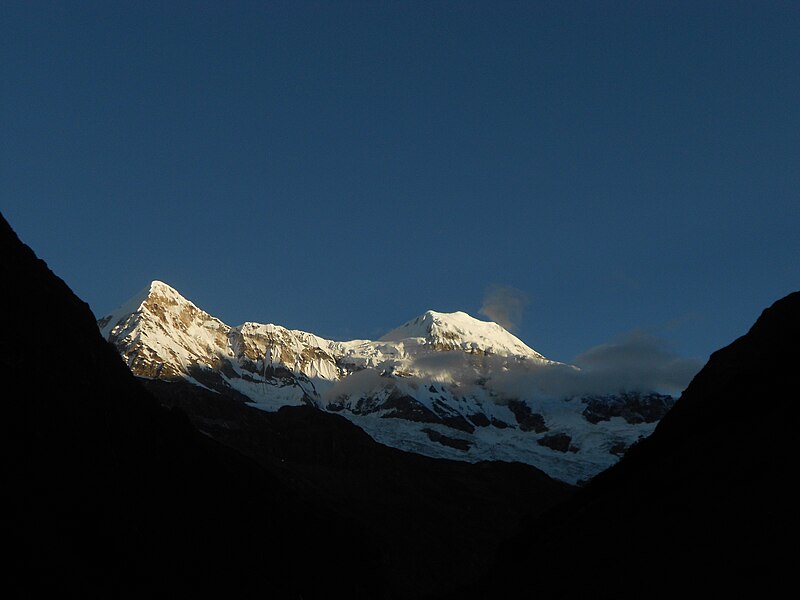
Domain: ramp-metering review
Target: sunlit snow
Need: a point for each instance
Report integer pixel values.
(440, 366)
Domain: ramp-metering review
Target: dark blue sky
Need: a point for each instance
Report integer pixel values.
(341, 167)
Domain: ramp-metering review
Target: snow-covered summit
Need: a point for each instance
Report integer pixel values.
(443, 384)
(154, 291)
(460, 331)
(164, 333)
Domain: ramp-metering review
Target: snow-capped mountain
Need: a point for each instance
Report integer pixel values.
(459, 331)
(443, 384)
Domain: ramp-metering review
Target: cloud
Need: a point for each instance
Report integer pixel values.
(638, 360)
(359, 384)
(533, 381)
(504, 305)
(456, 367)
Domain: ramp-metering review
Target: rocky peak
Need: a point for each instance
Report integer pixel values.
(155, 300)
(160, 332)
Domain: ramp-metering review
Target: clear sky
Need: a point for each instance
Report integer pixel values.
(340, 167)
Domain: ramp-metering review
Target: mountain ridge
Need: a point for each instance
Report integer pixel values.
(705, 503)
(110, 491)
(443, 384)
(435, 327)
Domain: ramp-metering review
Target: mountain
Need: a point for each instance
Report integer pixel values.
(443, 385)
(459, 331)
(108, 491)
(705, 504)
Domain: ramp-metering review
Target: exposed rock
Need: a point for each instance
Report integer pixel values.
(440, 438)
(634, 407)
(559, 442)
(526, 418)
(451, 418)
(480, 420)
(403, 407)
(618, 448)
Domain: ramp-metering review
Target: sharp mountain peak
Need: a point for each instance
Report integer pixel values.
(456, 329)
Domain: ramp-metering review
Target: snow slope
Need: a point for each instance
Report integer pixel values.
(460, 331)
(443, 384)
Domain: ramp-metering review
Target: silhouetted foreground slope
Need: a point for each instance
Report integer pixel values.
(708, 502)
(438, 522)
(105, 490)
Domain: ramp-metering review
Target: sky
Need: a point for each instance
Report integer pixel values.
(584, 172)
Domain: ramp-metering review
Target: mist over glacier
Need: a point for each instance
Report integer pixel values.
(637, 361)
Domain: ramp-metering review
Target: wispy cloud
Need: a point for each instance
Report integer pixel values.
(359, 384)
(504, 305)
(636, 361)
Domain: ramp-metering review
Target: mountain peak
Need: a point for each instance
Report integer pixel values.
(156, 299)
(157, 286)
(461, 331)
(444, 316)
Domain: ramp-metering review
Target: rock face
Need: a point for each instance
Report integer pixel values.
(527, 419)
(440, 372)
(705, 503)
(560, 442)
(634, 407)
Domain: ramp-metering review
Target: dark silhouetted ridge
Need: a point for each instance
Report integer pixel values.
(705, 503)
(104, 490)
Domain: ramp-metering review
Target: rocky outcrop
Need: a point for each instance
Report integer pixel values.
(526, 418)
(618, 448)
(634, 407)
(560, 442)
(440, 438)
